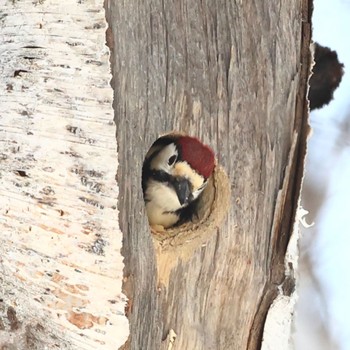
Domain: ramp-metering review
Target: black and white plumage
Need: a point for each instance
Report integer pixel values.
(175, 172)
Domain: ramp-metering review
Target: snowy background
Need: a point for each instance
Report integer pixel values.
(323, 310)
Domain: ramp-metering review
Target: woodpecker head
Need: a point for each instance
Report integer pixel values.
(174, 174)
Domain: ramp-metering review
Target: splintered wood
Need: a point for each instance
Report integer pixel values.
(60, 262)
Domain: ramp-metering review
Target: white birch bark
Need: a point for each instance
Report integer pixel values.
(60, 261)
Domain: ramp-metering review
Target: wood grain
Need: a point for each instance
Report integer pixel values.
(235, 75)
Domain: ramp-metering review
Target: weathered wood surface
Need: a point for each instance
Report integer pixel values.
(60, 262)
(234, 74)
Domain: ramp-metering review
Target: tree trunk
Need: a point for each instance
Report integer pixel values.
(60, 266)
(235, 75)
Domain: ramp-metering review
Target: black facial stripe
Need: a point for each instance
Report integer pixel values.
(161, 176)
(147, 172)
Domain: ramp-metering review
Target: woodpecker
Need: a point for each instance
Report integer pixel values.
(174, 174)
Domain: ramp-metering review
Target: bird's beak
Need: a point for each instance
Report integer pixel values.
(183, 190)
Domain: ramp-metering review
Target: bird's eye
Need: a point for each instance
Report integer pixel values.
(172, 160)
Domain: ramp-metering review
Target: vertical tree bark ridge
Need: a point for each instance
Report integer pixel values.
(180, 243)
(232, 74)
(60, 262)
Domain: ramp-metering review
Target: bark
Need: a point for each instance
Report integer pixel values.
(60, 265)
(235, 75)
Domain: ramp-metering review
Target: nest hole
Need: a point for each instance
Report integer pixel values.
(213, 205)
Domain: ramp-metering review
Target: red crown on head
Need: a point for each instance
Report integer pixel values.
(199, 156)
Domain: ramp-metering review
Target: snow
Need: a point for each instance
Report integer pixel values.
(323, 310)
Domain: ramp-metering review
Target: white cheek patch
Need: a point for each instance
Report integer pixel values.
(162, 196)
(161, 201)
(160, 161)
(157, 217)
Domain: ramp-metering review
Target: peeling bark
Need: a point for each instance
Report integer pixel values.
(60, 262)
